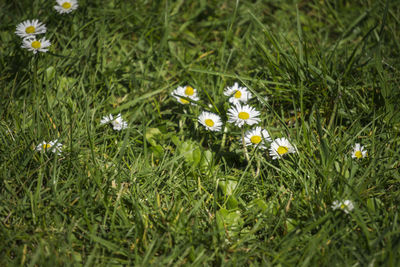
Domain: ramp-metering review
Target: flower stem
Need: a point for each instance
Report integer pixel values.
(246, 154)
(258, 166)
(222, 146)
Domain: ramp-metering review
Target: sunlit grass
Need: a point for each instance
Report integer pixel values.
(167, 191)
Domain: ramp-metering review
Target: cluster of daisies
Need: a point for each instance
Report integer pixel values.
(239, 114)
(29, 30)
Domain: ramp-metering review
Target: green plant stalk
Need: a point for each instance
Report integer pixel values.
(223, 138)
(246, 154)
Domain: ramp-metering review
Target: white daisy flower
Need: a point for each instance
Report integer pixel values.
(346, 205)
(280, 147)
(240, 115)
(34, 45)
(186, 91)
(257, 137)
(107, 119)
(66, 6)
(118, 123)
(211, 121)
(52, 146)
(30, 28)
(238, 94)
(359, 152)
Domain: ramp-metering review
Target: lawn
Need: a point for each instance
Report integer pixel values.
(179, 174)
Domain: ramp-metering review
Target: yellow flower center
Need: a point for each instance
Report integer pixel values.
(46, 146)
(189, 90)
(343, 206)
(255, 139)
(66, 5)
(184, 101)
(209, 122)
(36, 44)
(243, 115)
(30, 29)
(358, 154)
(282, 150)
(238, 94)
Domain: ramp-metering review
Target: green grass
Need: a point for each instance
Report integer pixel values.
(167, 192)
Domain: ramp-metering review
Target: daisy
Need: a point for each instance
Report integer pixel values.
(359, 152)
(188, 92)
(66, 6)
(346, 205)
(119, 123)
(238, 94)
(240, 115)
(280, 147)
(30, 28)
(107, 119)
(211, 121)
(34, 45)
(256, 137)
(52, 146)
